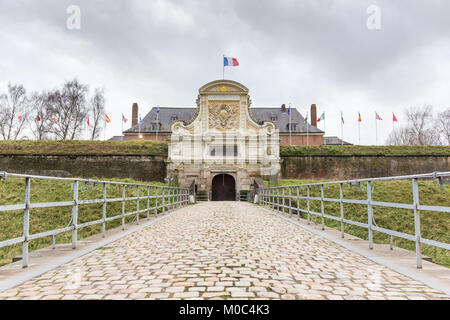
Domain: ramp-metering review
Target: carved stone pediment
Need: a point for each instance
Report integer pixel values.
(223, 116)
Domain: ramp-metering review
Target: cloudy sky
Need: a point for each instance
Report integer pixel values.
(290, 51)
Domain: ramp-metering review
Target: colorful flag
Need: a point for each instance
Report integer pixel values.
(70, 119)
(20, 118)
(124, 119)
(394, 118)
(342, 117)
(140, 120)
(107, 118)
(54, 119)
(322, 117)
(289, 110)
(38, 119)
(230, 62)
(359, 117)
(377, 116)
(88, 122)
(157, 110)
(306, 119)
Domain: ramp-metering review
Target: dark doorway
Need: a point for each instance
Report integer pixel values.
(223, 188)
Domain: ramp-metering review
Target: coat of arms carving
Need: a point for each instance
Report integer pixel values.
(223, 116)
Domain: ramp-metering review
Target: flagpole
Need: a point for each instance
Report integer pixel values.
(359, 133)
(290, 134)
(376, 130)
(223, 67)
(307, 129)
(157, 122)
(342, 130)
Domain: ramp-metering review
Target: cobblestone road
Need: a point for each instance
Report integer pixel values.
(222, 250)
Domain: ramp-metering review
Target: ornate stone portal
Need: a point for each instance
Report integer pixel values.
(223, 138)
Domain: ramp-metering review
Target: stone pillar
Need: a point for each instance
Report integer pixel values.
(134, 114)
(314, 115)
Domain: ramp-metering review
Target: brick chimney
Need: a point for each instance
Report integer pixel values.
(283, 108)
(134, 114)
(314, 115)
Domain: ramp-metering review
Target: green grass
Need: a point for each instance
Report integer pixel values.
(73, 147)
(364, 150)
(434, 225)
(85, 147)
(45, 219)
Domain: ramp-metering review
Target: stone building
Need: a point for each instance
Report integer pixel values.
(224, 145)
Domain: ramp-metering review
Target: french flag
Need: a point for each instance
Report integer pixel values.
(230, 62)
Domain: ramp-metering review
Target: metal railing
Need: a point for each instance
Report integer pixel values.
(281, 198)
(165, 199)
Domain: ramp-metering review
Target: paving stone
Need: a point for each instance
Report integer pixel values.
(217, 250)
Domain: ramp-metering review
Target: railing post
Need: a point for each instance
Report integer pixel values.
(163, 200)
(26, 223)
(341, 198)
(283, 203)
(307, 204)
(322, 207)
(370, 213)
(104, 211)
(156, 201)
(290, 202)
(298, 202)
(137, 205)
(148, 202)
(75, 215)
(417, 223)
(123, 206)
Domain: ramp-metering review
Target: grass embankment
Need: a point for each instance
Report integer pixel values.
(365, 150)
(82, 147)
(73, 147)
(434, 225)
(45, 219)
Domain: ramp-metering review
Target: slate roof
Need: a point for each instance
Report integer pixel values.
(334, 141)
(167, 115)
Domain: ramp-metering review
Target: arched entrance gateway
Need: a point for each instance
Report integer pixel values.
(223, 188)
(222, 148)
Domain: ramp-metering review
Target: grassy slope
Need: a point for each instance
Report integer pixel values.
(364, 150)
(72, 147)
(434, 225)
(11, 222)
(150, 147)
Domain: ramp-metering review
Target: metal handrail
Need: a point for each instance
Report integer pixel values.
(276, 198)
(166, 198)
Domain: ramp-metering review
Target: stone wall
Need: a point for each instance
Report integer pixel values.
(353, 167)
(143, 168)
(153, 168)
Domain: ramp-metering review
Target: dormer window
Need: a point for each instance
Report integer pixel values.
(293, 126)
(273, 118)
(174, 117)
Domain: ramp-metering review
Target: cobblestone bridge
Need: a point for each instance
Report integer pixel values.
(222, 250)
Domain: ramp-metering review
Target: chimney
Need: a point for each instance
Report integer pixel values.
(313, 115)
(134, 114)
(283, 108)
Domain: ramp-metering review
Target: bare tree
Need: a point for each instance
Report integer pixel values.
(419, 121)
(420, 129)
(13, 112)
(97, 108)
(68, 107)
(442, 124)
(41, 116)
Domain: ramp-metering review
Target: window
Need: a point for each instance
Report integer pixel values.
(174, 117)
(273, 118)
(155, 126)
(293, 126)
(224, 151)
